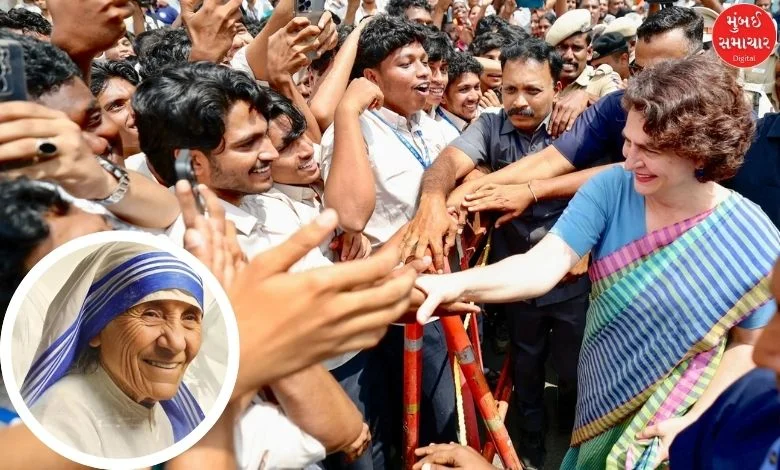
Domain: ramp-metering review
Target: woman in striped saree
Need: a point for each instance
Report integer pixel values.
(680, 268)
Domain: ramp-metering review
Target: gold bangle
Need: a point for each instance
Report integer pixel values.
(532, 192)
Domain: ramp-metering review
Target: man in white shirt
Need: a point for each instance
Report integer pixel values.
(460, 104)
(219, 115)
(374, 156)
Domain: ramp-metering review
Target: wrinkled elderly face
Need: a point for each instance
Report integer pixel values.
(147, 349)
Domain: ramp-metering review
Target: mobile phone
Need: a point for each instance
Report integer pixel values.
(13, 85)
(183, 167)
(532, 4)
(311, 9)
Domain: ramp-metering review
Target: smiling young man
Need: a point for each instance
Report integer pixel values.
(374, 156)
(460, 104)
(488, 46)
(439, 51)
(220, 115)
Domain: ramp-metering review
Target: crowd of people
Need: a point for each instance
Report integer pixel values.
(631, 180)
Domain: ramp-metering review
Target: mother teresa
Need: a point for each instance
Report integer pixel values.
(107, 377)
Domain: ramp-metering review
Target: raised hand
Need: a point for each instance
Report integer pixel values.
(355, 302)
(212, 239)
(362, 94)
(289, 48)
(211, 28)
(84, 39)
(24, 126)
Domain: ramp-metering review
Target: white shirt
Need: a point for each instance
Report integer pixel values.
(397, 172)
(139, 164)
(339, 8)
(250, 234)
(451, 125)
(265, 432)
(90, 413)
(282, 216)
(239, 62)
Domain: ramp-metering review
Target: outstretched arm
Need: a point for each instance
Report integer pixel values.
(518, 277)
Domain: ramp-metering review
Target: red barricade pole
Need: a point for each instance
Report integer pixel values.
(413, 341)
(456, 335)
(502, 393)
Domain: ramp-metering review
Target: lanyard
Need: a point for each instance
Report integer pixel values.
(425, 162)
(444, 116)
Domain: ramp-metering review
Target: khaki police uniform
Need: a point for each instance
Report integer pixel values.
(597, 82)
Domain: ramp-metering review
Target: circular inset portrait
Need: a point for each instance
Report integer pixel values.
(119, 345)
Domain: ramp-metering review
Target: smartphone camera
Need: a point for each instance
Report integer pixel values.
(183, 167)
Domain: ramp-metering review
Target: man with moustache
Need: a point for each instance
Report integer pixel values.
(531, 72)
(571, 38)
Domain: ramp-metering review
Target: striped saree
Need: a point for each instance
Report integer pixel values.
(661, 309)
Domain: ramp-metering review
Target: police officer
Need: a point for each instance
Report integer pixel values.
(626, 26)
(570, 35)
(611, 49)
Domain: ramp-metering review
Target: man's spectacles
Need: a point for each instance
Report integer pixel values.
(634, 68)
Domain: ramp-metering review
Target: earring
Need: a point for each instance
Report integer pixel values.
(699, 174)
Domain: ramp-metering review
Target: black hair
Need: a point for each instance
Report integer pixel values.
(489, 24)
(438, 46)
(671, 18)
(145, 40)
(487, 42)
(46, 67)
(534, 49)
(104, 70)
(255, 26)
(172, 50)
(280, 105)
(550, 17)
(23, 226)
(514, 33)
(623, 11)
(185, 108)
(399, 7)
(25, 21)
(461, 63)
(321, 63)
(381, 37)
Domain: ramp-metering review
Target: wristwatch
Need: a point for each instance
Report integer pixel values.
(121, 176)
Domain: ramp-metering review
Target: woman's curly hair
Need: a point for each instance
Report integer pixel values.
(694, 108)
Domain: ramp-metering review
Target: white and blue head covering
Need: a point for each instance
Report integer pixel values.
(112, 279)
